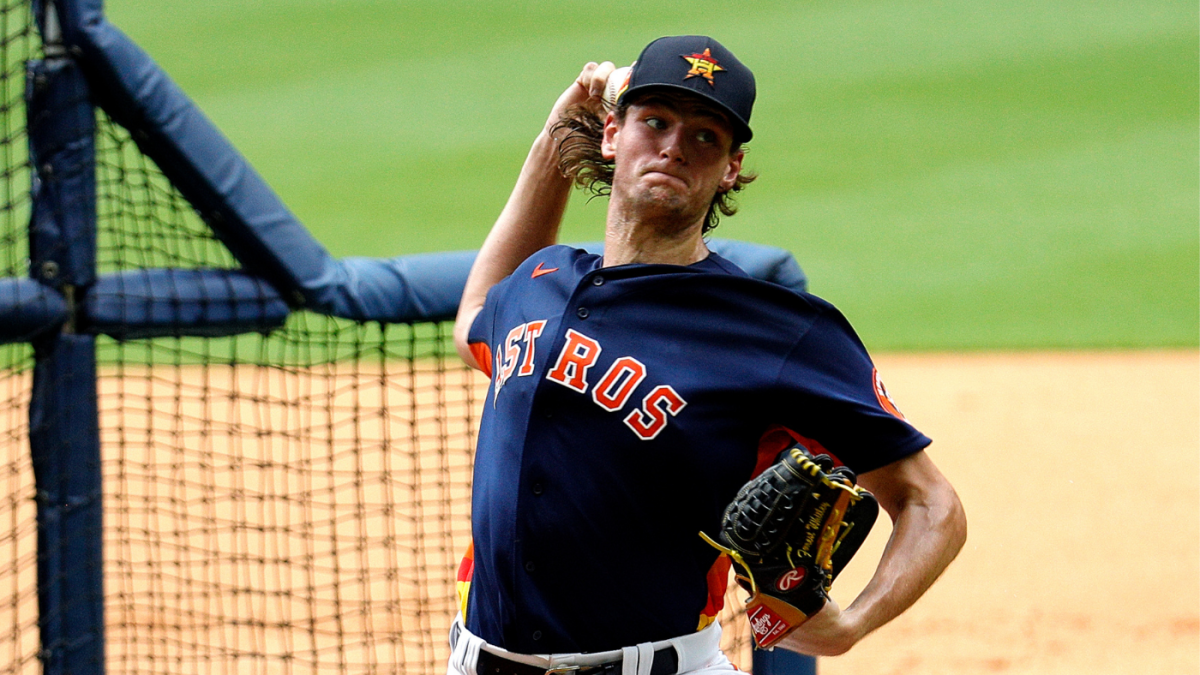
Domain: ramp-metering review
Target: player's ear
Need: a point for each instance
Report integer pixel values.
(608, 143)
(732, 171)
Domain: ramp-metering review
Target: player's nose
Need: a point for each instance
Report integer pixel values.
(672, 145)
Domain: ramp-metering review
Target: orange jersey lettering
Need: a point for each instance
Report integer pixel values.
(652, 418)
(577, 356)
(614, 389)
(533, 330)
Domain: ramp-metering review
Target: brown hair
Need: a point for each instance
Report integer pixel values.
(580, 159)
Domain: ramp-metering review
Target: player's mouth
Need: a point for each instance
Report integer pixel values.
(667, 174)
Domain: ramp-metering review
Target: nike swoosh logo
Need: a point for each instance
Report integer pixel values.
(538, 271)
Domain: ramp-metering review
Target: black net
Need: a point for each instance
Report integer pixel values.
(295, 502)
(18, 528)
(292, 502)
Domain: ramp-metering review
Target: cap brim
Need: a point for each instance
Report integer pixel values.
(741, 129)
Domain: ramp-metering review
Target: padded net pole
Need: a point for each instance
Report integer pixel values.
(64, 434)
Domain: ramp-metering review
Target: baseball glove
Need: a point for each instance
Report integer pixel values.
(790, 532)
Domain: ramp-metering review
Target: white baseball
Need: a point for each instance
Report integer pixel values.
(612, 87)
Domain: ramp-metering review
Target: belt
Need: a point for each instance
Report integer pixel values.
(666, 662)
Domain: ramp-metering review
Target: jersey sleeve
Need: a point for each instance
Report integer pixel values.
(832, 395)
(479, 338)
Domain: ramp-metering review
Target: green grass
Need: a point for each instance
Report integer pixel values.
(952, 174)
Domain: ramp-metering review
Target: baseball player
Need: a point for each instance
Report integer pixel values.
(632, 395)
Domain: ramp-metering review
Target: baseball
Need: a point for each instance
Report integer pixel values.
(616, 80)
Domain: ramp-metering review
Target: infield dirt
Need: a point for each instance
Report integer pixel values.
(1080, 474)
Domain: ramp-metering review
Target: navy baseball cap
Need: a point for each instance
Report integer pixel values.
(702, 66)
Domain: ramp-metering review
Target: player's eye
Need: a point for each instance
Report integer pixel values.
(656, 123)
(706, 136)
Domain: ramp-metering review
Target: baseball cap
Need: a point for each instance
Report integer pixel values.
(702, 66)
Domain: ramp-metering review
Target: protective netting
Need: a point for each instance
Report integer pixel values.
(273, 508)
(287, 503)
(18, 526)
(292, 502)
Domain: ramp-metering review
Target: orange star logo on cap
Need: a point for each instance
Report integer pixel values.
(703, 65)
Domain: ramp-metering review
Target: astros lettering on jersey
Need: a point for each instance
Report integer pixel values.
(627, 406)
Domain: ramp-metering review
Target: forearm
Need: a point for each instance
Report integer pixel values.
(927, 534)
(928, 530)
(531, 218)
(529, 221)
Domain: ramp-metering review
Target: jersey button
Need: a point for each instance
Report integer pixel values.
(537, 635)
(582, 312)
(597, 280)
(529, 566)
(538, 489)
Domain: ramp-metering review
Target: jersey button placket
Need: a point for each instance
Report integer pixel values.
(582, 312)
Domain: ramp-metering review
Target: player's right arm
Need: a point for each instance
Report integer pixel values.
(531, 218)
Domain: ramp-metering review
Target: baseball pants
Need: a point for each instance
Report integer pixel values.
(698, 654)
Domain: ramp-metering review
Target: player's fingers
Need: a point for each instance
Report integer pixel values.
(600, 79)
(585, 76)
(576, 93)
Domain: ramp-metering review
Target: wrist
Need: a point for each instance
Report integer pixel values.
(830, 632)
(854, 627)
(544, 155)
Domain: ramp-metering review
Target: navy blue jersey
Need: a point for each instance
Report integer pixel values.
(625, 411)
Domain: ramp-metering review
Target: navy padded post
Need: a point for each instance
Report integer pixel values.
(65, 445)
(64, 432)
(175, 302)
(28, 309)
(62, 125)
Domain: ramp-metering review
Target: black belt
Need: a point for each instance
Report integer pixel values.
(666, 662)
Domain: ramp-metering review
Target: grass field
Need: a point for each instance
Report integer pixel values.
(954, 175)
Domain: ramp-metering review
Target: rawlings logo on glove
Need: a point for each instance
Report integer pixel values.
(791, 531)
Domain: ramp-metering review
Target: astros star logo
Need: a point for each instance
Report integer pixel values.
(703, 65)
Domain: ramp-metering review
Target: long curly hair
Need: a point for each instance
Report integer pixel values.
(580, 131)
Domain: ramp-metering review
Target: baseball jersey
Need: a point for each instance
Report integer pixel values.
(625, 410)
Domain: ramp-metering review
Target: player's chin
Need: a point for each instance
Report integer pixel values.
(666, 203)
(667, 195)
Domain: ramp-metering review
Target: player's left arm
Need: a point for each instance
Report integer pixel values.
(929, 528)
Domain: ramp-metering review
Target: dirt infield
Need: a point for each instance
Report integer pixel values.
(1080, 474)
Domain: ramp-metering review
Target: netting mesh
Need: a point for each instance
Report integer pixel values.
(294, 502)
(301, 515)
(18, 527)
(287, 503)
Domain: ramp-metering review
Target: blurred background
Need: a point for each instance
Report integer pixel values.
(954, 175)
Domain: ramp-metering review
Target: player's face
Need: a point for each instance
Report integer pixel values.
(671, 154)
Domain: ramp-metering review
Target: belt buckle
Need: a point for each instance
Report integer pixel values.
(559, 670)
